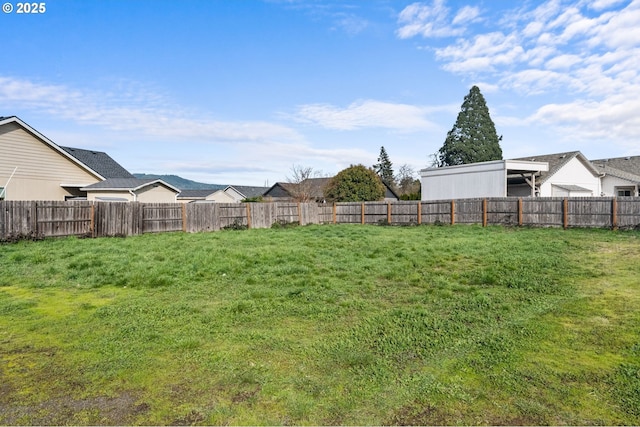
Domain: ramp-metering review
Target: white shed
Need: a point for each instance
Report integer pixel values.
(484, 179)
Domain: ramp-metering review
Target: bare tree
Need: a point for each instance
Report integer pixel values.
(300, 187)
(406, 179)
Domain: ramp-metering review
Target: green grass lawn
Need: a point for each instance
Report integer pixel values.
(323, 325)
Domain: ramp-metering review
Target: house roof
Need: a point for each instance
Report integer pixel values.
(249, 191)
(621, 167)
(557, 160)
(608, 170)
(629, 164)
(99, 162)
(125, 184)
(315, 188)
(195, 194)
(571, 187)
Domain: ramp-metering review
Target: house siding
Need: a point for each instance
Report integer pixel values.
(609, 184)
(41, 169)
(573, 173)
(156, 194)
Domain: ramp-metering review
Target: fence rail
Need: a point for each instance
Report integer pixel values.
(30, 219)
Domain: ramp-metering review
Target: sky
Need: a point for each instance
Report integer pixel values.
(244, 91)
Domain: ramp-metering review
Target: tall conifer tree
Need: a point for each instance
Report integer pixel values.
(473, 137)
(384, 168)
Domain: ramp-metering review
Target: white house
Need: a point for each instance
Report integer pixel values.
(550, 175)
(570, 174)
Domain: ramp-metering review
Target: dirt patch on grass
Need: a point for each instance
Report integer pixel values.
(101, 410)
(417, 414)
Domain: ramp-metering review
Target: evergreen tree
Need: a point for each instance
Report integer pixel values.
(384, 168)
(473, 137)
(355, 184)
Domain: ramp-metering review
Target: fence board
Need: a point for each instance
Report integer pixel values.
(325, 213)
(287, 213)
(18, 219)
(232, 214)
(202, 217)
(24, 219)
(468, 211)
(502, 211)
(590, 212)
(263, 215)
(161, 217)
(309, 213)
(543, 212)
(628, 212)
(436, 212)
(68, 219)
(375, 212)
(404, 212)
(349, 213)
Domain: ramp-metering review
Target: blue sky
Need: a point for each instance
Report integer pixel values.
(238, 92)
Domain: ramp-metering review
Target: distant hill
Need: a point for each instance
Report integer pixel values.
(180, 183)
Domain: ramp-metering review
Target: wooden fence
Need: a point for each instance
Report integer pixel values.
(29, 219)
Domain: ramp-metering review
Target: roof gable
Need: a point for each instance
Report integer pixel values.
(557, 161)
(50, 144)
(126, 184)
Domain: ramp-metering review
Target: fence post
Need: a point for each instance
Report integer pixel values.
(299, 214)
(334, 212)
(92, 223)
(35, 218)
(453, 212)
(484, 212)
(419, 212)
(614, 213)
(520, 211)
(388, 212)
(565, 213)
(362, 214)
(248, 214)
(184, 217)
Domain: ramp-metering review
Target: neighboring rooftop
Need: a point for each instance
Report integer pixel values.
(629, 164)
(99, 162)
(557, 160)
(249, 191)
(126, 184)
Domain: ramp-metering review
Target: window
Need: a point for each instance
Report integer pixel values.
(625, 191)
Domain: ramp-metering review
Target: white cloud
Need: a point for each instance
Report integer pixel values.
(604, 4)
(366, 114)
(466, 14)
(587, 52)
(138, 112)
(481, 53)
(433, 20)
